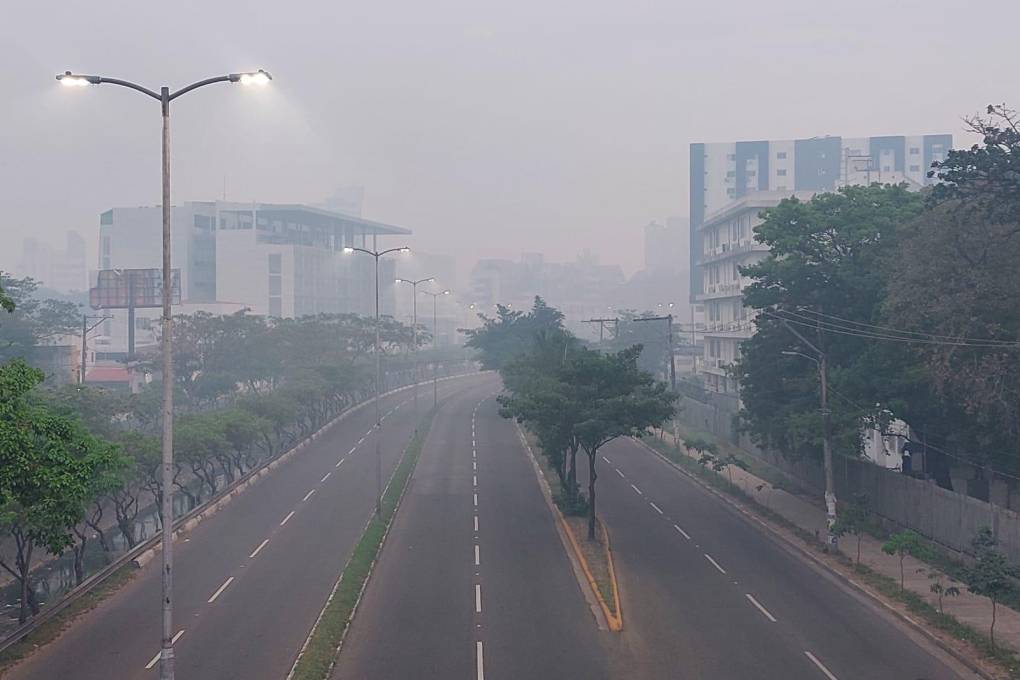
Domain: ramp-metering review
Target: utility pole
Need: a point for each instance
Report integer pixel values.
(85, 330)
(821, 360)
(602, 325)
(435, 338)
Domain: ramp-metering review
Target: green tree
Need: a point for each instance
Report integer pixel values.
(853, 519)
(31, 321)
(47, 469)
(511, 333)
(991, 574)
(940, 588)
(828, 255)
(903, 544)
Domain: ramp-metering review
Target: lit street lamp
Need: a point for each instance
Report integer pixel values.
(378, 368)
(165, 96)
(435, 337)
(414, 333)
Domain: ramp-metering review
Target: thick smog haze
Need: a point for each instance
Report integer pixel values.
(488, 128)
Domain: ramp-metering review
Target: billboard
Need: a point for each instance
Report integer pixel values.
(133, 289)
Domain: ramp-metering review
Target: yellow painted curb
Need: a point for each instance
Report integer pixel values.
(613, 619)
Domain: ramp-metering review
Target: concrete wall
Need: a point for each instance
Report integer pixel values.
(946, 517)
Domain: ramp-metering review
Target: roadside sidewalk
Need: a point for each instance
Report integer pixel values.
(973, 610)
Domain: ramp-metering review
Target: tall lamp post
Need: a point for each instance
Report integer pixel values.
(414, 333)
(435, 337)
(378, 368)
(164, 97)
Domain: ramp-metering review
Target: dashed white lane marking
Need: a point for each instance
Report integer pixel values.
(640, 493)
(155, 659)
(287, 518)
(609, 462)
(477, 556)
(476, 523)
(220, 590)
(353, 449)
(682, 532)
(479, 664)
(821, 667)
(655, 507)
(257, 550)
(478, 598)
(619, 473)
(361, 441)
(714, 563)
(308, 495)
(339, 463)
(474, 465)
(474, 480)
(325, 477)
(476, 500)
(762, 609)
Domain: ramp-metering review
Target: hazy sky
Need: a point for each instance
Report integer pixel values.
(490, 128)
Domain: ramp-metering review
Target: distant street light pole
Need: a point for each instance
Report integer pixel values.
(85, 330)
(830, 482)
(435, 338)
(414, 334)
(164, 97)
(378, 369)
(669, 343)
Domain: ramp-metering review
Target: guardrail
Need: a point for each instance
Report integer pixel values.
(143, 552)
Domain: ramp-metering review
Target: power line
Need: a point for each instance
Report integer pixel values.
(890, 329)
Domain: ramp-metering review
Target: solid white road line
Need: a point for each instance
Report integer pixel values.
(655, 507)
(325, 477)
(619, 473)
(478, 598)
(607, 460)
(477, 557)
(762, 609)
(476, 523)
(479, 665)
(714, 563)
(640, 493)
(287, 518)
(682, 532)
(821, 667)
(257, 550)
(308, 495)
(339, 463)
(220, 590)
(155, 659)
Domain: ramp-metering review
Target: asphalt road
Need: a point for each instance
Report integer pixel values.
(708, 594)
(454, 599)
(251, 579)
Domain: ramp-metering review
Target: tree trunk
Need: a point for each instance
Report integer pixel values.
(991, 631)
(592, 476)
(572, 473)
(858, 548)
(901, 571)
(78, 548)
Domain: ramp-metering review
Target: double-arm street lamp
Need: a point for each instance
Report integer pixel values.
(164, 97)
(414, 332)
(378, 368)
(435, 337)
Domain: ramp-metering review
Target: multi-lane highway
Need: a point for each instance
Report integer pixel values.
(251, 579)
(474, 581)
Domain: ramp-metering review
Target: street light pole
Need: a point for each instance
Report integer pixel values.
(414, 335)
(435, 338)
(821, 360)
(378, 369)
(164, 96)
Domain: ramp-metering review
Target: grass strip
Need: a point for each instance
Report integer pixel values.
(320, 653)
(52, 629)
(976, 641)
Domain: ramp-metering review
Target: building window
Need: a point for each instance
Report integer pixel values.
(781, 188)
(275, 263)
(731, 156)
(886, 168)
(914, 151)
(713, 348)
(915, 168)
(732, 193)
(731, 173)
(781, 172)
(781, 156)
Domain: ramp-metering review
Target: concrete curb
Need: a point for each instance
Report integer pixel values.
(862, 590)
(605, 618)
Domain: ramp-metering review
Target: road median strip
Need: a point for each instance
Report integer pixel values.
(319, 654)
(593, 560)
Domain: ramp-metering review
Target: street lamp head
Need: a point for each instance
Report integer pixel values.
(68, 79)
(446, 292)
(259, 77)
(348, 250)
(405, 249)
